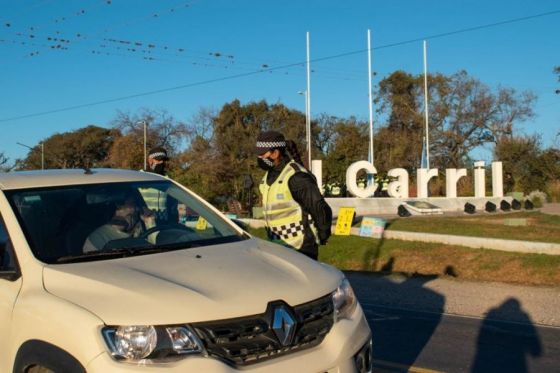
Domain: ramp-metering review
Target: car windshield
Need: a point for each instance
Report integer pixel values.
(101, 221)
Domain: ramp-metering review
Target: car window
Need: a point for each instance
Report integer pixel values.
(7, 259)
(66, 222)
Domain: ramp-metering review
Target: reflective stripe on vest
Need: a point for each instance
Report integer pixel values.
(283, 215)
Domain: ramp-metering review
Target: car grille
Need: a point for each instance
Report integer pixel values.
(248, 340)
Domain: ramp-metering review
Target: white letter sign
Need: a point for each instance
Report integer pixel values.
(398, 188)
(352, 184)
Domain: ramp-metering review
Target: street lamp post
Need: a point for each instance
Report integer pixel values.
(145, 141)
(42, 153)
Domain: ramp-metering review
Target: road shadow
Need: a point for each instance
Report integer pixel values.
(506, 347)
(396, 339)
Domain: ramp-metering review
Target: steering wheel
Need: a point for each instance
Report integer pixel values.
(165, 227)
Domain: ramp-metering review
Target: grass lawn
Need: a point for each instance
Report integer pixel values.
(540, 227)
(368, 254)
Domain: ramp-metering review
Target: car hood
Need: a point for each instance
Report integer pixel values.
(192, 285)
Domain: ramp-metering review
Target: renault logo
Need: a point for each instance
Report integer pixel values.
(283, 325)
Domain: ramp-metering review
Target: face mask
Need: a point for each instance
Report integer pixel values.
(265, 163)
(159, 168)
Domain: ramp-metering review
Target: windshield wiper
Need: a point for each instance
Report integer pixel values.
(115, 253)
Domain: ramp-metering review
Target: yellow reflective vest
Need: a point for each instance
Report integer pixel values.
(283, 215)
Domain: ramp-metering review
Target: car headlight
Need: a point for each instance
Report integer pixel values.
(138, 342)
(344, 301)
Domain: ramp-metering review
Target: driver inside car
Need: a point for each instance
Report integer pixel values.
(129, 220)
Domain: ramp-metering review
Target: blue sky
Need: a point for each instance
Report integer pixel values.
(186, 35)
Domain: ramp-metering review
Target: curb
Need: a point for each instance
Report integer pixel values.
(530, 247)
(474, 242)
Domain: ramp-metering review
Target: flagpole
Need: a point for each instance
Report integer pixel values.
(308, 98)
(426, 106)
(371, 156)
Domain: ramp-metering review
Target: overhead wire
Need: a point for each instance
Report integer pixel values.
(236, 76)
(148, 51)
(62, 42)
(79, 37)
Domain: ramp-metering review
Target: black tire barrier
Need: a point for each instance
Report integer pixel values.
(505, 206)
(528, 205)
(516, 205)
(490, 207)
(470, 208)
(403, 212)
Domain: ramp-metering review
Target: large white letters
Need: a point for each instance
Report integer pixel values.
(351, 183)
(423, 176)
(398, 188)
(452, 176)
(497, 180)
(479, 182)
(317, 171)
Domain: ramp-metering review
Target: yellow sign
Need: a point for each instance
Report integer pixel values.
(201, 223)
(344, 221)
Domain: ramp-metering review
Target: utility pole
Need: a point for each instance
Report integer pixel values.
(145, 141)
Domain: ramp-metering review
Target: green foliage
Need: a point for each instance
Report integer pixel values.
(85, 147)
(348, 144)
(463, 114)
(525, 165)
(401, 97)
(213, 152)
(161, 130)
(537, 202)
(220, 157)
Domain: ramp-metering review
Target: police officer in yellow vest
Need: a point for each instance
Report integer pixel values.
(295, 212)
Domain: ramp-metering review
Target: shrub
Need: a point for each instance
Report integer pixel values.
(537, 197)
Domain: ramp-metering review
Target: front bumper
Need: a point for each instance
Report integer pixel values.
(334, 355)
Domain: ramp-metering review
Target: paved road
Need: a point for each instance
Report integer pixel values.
(430, 342)
(418, 325)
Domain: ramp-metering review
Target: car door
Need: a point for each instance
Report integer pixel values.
(10, 284)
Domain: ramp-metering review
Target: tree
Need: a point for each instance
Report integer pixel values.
(530, 167)
(200, 164)
(216, 162)
(4, 166)
(401, 95)
(464, 113)
(84, 147)
(161, 128)
(348, 144)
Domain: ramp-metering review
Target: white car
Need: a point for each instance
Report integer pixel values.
(99, 274)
